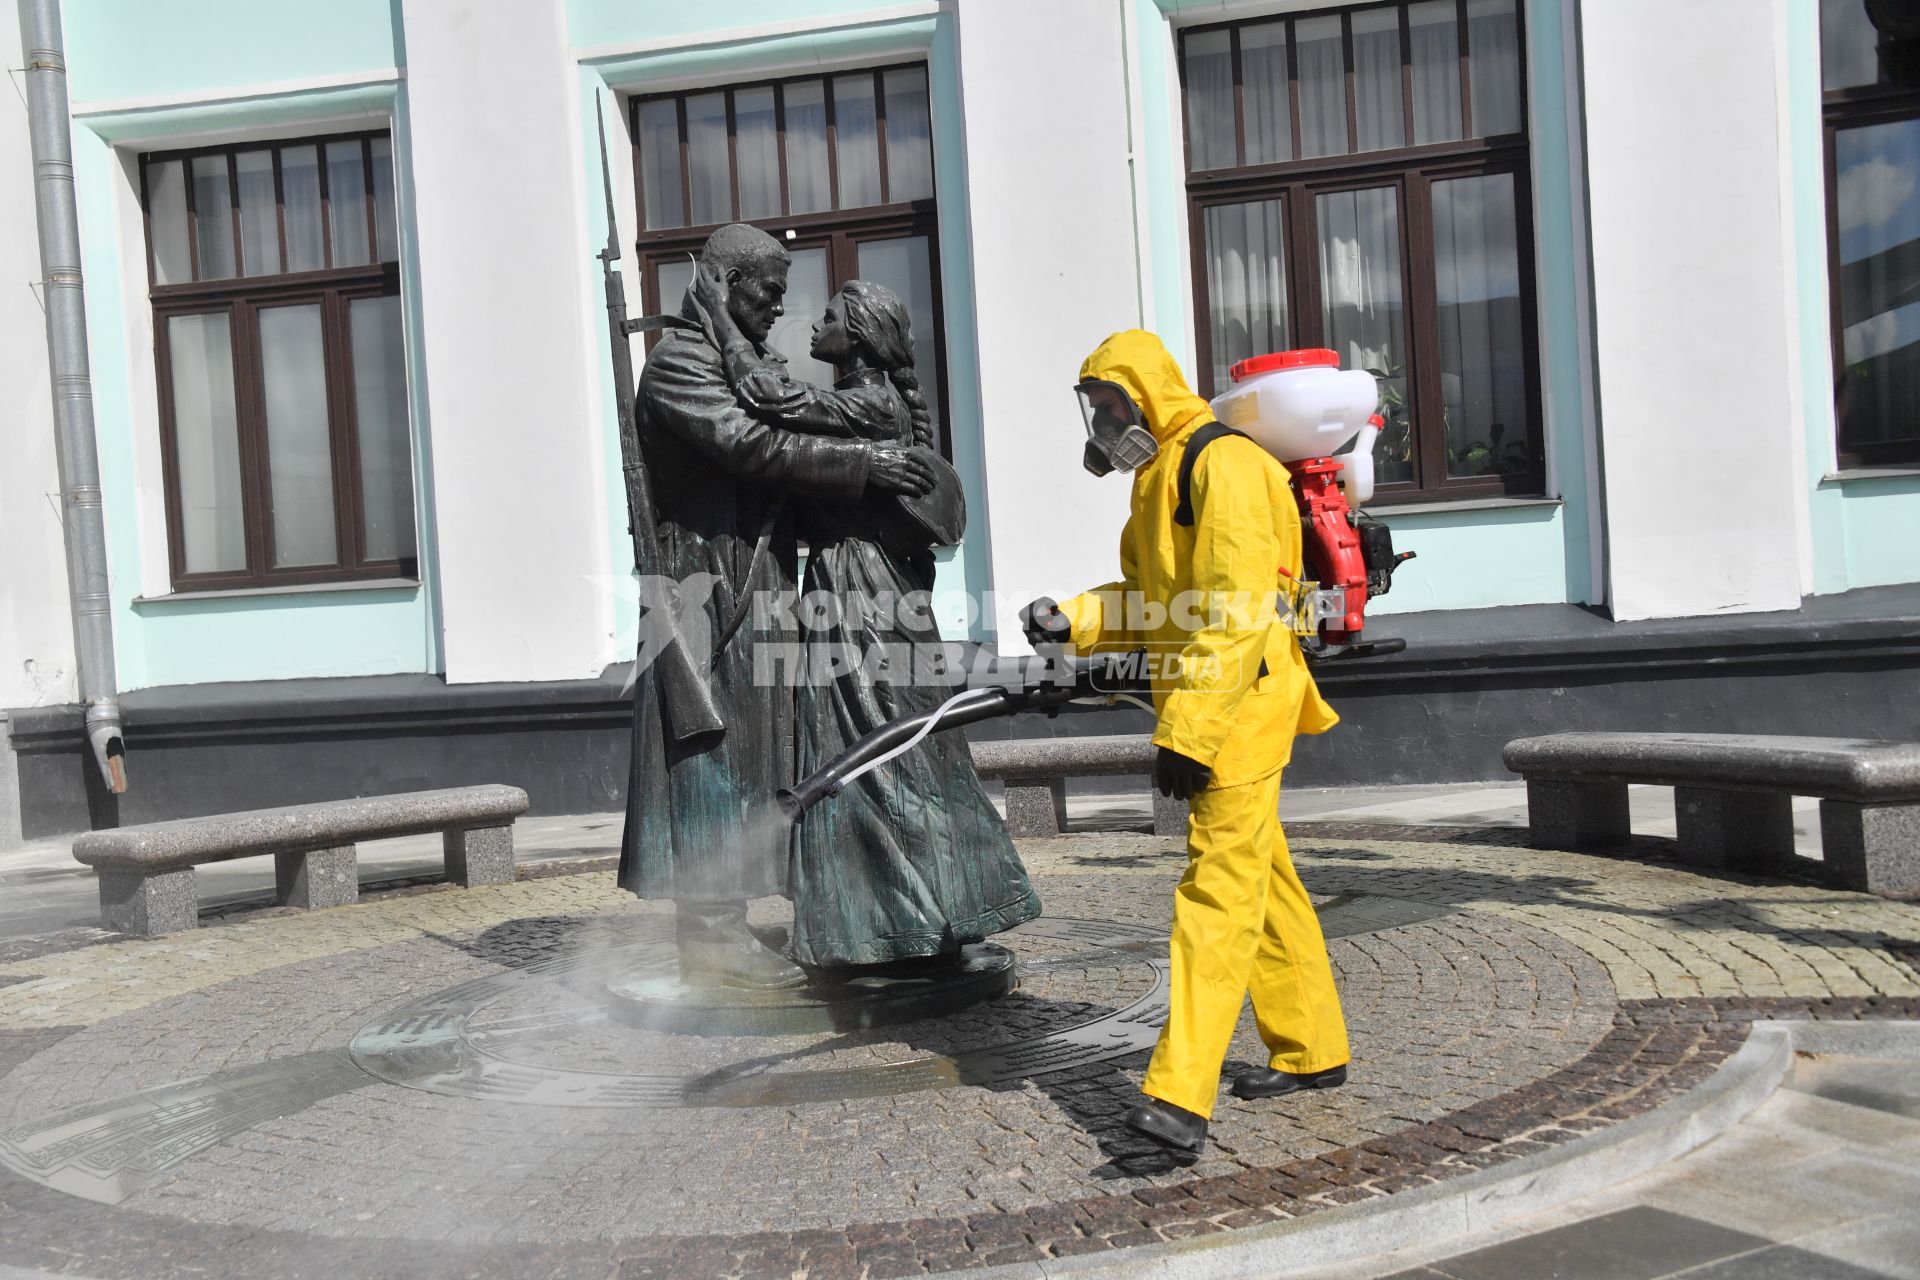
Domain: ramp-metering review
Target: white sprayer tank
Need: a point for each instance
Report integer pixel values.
(1302, 404)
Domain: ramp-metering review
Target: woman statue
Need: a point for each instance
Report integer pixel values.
(910, 861)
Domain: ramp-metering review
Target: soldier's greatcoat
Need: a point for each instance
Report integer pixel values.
(700, 825)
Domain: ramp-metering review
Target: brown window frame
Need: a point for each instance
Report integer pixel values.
(1411, 170)
(241, 298)
(840, 231)
(1843, 109)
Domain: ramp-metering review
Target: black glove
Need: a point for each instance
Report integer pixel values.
(1179, 776)
(1043, 623)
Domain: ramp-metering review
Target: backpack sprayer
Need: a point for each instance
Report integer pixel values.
(1302, 407)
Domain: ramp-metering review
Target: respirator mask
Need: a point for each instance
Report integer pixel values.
(1117, 436)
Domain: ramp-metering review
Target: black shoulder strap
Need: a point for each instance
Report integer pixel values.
(1183, 514)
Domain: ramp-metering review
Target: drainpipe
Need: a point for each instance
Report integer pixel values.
(82, 514)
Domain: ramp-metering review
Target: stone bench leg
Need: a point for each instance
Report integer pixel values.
(1036, 808)
(1734, 830)
(1872, 847)
(483, 855)
(1576, 815)
(1169, 815)
(147, 904)
(316, 878)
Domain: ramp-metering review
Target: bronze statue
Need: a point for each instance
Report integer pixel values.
(700, 826)
(911, 861)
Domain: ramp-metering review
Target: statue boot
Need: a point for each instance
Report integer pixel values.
(718, 950)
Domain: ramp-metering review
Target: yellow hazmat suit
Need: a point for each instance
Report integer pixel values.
(1241, 691)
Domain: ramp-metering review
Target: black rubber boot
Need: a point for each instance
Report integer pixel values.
(1274, 1084)
(1169, 1125)
(718, 950)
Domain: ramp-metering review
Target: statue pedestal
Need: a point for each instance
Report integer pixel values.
(655, 999)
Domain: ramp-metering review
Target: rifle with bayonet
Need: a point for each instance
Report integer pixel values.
(684, 691)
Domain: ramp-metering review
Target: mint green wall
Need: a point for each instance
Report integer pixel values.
(1477, 559)
(1866, 529)
(961, 571)
(598, 23)
(1469, 558)
(282, 636)
(121, 49)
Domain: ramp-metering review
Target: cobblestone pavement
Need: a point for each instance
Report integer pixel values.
(1561, 994)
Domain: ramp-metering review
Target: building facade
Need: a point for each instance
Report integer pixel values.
(1641, 282)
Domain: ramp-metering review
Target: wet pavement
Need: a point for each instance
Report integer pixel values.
(426, 1083)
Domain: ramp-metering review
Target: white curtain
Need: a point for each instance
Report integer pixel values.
(1263, 93)
(707, 159)
(380, 418)
(1482, 351)
(1246, 283)
(293, 371)
(1360, 276)
(1379, 112)
(259, 223)
(167, 218)
(1433, 27)
(660, 164)
(300, 206)
(1209, 64)
(1493, 55)
(206, 442)
(909, 135)
(856, 141)
(1323, 86)
(805, 105)
(347, 205)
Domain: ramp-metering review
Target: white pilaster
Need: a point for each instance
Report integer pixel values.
(519, 501)
(1693, 334)
(1054, 253)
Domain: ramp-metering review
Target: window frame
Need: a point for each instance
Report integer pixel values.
(241, 298)
(840, 231)
(1411, 171)
(1840, 110)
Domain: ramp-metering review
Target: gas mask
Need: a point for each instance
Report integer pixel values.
(1117, 436)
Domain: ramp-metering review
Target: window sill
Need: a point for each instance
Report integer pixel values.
(300, 589)
(1467, 504)
(1858, 475)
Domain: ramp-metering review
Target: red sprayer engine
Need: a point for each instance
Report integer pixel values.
(1302, 408)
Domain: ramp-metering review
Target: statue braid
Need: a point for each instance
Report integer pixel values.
(907, 383)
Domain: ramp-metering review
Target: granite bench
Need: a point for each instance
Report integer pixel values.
(146, 872)
(1733, 799)
(1035, 771)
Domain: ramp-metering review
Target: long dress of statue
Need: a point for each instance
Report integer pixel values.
(699, 827)
(911, 860)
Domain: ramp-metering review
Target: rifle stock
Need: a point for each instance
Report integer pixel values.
(685, 693)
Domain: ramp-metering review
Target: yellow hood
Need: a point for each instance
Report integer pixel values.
(1140, 362)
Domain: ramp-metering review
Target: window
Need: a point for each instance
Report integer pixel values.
(1358, 181)
(1870, 70)
(839, 167)
(282, 373)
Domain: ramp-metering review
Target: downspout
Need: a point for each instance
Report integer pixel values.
(82, 514)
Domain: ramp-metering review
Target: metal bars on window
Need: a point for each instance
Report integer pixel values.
(1363, 81)
(783, 149)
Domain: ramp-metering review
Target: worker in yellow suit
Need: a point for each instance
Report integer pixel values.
(1201, 586)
